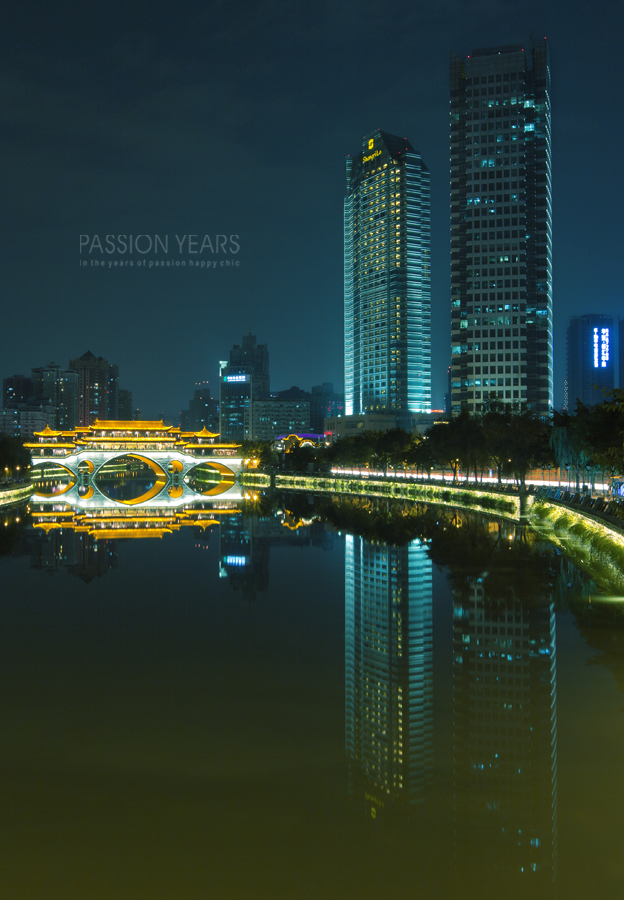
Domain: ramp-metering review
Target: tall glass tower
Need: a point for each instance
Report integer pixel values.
(387, 280)
(501, 230)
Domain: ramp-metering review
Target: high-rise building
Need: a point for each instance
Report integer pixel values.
(501, 234)
(16, 390)
(98, 387)
(60, 388)
(243, 379)
(387, 300)
(203, 411)
(591, 363)
(325, 402)
(255, 357)
(124, 405)
(388, 674)
(621, 352)
(276, 416)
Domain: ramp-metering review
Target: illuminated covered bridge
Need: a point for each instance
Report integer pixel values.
(168, 465)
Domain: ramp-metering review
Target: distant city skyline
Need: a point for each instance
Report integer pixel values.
(233, 122)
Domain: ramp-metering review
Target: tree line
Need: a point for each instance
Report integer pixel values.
(511, 440)
(12, 454)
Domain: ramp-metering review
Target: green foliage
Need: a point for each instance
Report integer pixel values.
(12, 454)
(262, 451)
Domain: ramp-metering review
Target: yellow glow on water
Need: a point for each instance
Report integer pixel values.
(604, 598)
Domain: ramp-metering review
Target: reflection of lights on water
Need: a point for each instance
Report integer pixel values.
(604, 598)
(235, 561)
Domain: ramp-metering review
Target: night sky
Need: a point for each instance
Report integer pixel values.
(216, 118)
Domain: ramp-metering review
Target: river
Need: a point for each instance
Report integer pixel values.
(287, 704)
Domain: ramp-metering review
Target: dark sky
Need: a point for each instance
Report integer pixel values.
(235, 118)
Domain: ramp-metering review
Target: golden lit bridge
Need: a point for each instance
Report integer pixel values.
(170, 467)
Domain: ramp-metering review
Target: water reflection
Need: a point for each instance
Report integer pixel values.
(504, 778)
(505, 732)
(478, 815)
(77, 554)
(388, 674)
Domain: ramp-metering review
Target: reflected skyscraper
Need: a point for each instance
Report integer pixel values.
(505, 734)
(244, 561)
(78, 554)
(388, 674)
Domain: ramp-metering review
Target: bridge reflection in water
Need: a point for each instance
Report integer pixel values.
(113, 463)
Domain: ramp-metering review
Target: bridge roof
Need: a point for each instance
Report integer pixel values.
(124, 438)
(203, 433)
(122, 425)
(47, 432)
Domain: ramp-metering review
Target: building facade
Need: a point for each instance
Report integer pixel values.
(16, 390)
(98, 388)
(324, 402)
(203, 411)
(60, 388)
(275, 416)
(387, 292)
(591, 362)
(242, 379)
(621, 352)
(26, 419)
(501, 230)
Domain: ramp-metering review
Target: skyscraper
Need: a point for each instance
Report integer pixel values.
(591, 366)
(98, 386)
(387, 305)
(621, 352)
(59, 387)
(242, 380)
(501, 233)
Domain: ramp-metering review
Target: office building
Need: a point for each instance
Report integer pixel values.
(26, 419)
(621, 352)
(254, 357)
(58, 387)
(235, 396)
(203, 411)
(242, 379)
(325, 402)
(387, 273)
(276, 416)
(98, 387)
(591, 359)
(388, 675)
(124, 406)
(16, 390)
(501, 232)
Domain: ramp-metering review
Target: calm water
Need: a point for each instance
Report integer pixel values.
(280, 708)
